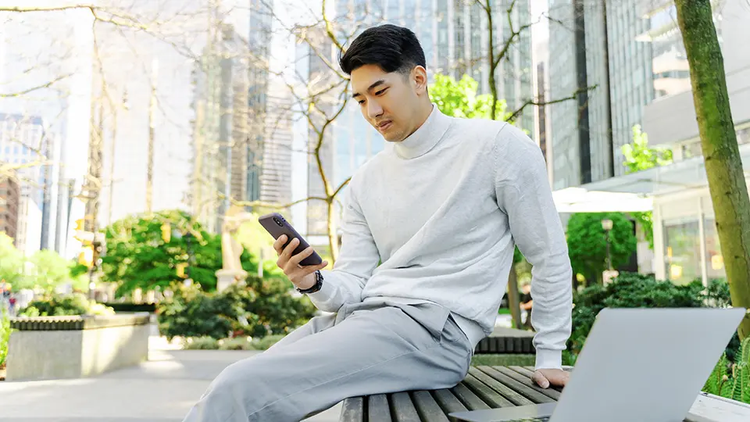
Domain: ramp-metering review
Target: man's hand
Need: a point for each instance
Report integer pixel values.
(300, 276)
(546, 377)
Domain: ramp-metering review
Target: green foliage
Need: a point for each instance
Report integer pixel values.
(646, 221)
(258, 308)
(4, 335)
(629, 290)
(266, 342)
(587, 244)
(200, 343)
(11, 261)
(732, 380)
(49, 270)
(75, 304)
(638, 155)
(139, 257)
(460, 99)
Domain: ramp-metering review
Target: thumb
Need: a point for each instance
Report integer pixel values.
(540, 379)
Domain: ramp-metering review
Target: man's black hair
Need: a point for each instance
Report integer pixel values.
(393, 48)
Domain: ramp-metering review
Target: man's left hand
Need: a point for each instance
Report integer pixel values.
(546, 377)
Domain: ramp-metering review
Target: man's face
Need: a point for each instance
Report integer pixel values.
(390, 102)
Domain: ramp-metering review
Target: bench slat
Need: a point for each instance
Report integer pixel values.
(428, 408)
(468, 398)
(378, 408)
(403, 408)
(353, 410)
(524, 389)
(490, 396)
(508, 393)
(448, 402)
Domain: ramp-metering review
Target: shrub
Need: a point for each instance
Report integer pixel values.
(260, 307)
(4, 335)
(266, 342)
(200, 343)
(237, 343)
(631, 290)
(74, 304)
(732, 380)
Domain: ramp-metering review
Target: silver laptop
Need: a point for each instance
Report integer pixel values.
(638, 364)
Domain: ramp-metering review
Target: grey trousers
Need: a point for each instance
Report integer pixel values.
(366, 348)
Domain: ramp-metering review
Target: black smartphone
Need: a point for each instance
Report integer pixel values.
(275, 224)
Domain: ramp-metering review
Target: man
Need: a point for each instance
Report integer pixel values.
(441, 209)
(527, 303)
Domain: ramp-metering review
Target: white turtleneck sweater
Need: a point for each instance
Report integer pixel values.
(442, 210)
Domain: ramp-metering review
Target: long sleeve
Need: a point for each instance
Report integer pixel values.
(357, 260)
(524, 194)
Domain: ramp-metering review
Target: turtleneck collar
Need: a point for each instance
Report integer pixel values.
(426, 137)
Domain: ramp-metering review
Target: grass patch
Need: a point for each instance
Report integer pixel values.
(504, 360)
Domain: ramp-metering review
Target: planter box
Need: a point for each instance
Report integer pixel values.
(75, 346)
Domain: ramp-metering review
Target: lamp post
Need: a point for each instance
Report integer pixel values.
(607, 226)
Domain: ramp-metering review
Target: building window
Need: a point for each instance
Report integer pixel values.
(682, 256)
(714, 259)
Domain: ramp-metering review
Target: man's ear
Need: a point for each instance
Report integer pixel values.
(419, 79)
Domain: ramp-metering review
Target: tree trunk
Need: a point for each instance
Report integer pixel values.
(726, 181)
(513, 299)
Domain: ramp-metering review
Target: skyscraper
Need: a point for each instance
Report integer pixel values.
(598, 57)
(26, 141)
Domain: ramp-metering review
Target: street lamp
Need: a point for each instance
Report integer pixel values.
(607, 226)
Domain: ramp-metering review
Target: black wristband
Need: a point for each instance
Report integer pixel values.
(316, 287)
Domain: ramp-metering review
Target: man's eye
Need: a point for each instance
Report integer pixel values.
(381, 91)
(360, 102)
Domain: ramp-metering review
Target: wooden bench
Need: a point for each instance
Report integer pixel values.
(484, 387)
(490, 387)
(507, 340)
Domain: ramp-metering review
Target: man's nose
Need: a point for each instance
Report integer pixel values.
(373, 109)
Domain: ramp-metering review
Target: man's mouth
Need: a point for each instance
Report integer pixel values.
(385, 125)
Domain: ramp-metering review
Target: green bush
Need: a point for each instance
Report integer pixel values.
(732, 380)
(200, 343)
(237, 343)
(75, 304)
(266, 342)
(257, 308)
(631, 290)
(587, 243)
(4, 335)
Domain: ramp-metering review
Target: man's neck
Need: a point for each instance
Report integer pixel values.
(426, 111)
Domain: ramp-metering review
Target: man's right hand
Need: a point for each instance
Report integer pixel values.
(302, 277)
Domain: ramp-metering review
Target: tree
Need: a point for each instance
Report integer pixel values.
(11, 260)
(49, 271)
(460, 99)
(639, 156)
(151, 251)
(726, 180)
(587, 243)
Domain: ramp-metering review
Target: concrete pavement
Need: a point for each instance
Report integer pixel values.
(160, 390)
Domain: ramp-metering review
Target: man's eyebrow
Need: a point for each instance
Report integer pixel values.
(374, 85)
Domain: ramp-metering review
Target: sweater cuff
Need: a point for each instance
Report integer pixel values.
(548, 358)
(322, 297)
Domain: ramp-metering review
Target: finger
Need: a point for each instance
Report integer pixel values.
(303, 271)
(289, 249)
(296, 259)
(540, 379)
(278, 245)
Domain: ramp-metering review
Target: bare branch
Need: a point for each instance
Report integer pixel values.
(527, 103)
(34, 88)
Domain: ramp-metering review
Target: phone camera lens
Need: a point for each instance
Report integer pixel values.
(278, 223)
